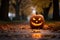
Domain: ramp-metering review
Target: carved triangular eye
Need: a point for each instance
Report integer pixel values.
(39, 19)
(34, 19)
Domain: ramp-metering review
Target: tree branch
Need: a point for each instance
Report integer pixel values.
(50, 4)
(19, 2)
(14, 5)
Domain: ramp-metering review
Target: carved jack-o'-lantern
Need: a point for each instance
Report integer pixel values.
(37, 21)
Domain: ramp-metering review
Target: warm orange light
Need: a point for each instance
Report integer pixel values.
(45, 26)
(34, 19)
(37, 35)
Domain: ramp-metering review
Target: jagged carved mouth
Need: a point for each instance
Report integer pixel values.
(36, 24)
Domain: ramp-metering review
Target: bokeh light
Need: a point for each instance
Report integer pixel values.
(11, 15)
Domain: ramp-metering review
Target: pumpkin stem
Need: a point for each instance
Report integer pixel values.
(36, 13)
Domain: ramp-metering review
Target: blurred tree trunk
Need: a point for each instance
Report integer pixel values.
(4, 10)
(46, 11)
(17, 7)
(23, 16)
(55, 9)
(17, 10)
(20, 4)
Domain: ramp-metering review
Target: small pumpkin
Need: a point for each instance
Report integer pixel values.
(37, 21)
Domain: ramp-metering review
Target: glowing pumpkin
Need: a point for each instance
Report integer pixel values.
(37, 21)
